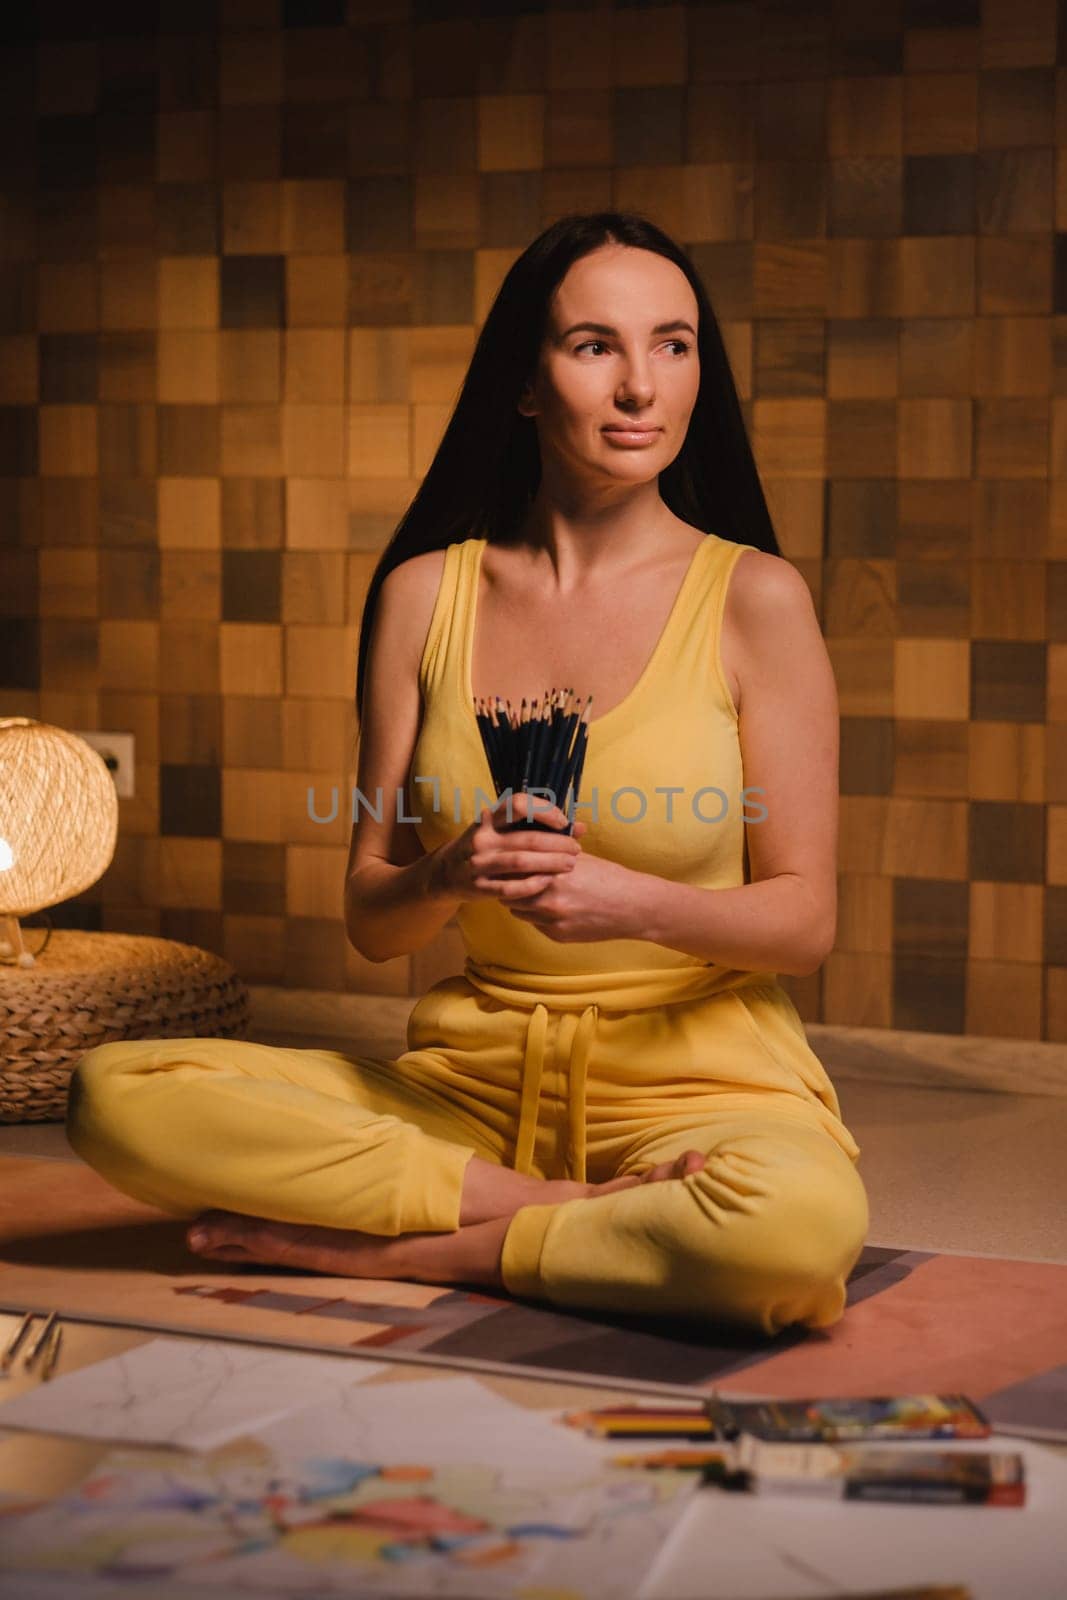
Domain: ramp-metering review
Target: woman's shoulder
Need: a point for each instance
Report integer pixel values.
(417, 578)
(767, 602)
(409, 594)
(762, 584)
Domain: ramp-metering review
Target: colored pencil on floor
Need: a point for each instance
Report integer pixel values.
(39, 1342)
(51, 1351)
(14, 1344)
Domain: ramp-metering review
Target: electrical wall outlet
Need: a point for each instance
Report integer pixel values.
(117, 751)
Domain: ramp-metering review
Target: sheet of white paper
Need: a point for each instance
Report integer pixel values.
(196, 1393)
(453, 1420)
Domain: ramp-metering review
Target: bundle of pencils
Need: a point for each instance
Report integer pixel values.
(541, 747)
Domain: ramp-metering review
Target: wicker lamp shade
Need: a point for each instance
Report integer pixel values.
(59, 816)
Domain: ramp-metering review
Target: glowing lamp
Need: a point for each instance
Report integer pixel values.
(59, 818)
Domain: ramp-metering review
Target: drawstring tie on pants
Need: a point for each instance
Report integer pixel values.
(532, 1071)
(572, 993)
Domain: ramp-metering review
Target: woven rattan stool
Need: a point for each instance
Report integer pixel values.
(87, 988)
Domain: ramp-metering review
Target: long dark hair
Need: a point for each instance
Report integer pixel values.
(487, 467)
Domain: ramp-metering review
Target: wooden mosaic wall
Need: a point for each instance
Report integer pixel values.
(245, 248)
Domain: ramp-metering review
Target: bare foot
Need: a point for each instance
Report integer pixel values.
(468, 1255)
(233, 1236)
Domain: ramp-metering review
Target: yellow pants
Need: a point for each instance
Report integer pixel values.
(765, 1235)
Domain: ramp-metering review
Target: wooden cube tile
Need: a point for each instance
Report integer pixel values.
(857, 989)
(250, 365)
(190, 873)
(313, 216)
(67, 440)
(865, 913)
(1007, 841)
(68, 582)
(190, 735)
(251, 731)
(252, 805)
(1007, 761)
(650, 56)
(933, 599)
(863, 669)
(379, 440)
(130, 293)
(191, 652)
(312, 879)
(251, 223)
(185, 146)
(313, 588)
(314, 365)
(510, 132)
(1012, 437)
(930, 918)
(861, 438)
(316, 733)
(1008, 599)
(316, 660)
(254, 945)
(250, 658)
(253, 513)
(934, 438)
(316, 514)
(253, 877)
(67, 296)
(316, 290)
(859, 598)
(188, 292)
(935, 518)
(1018, 36)
(864, 116)
(313, 440)
(1008, 679)
(189, 513)
(1015, 276)
(251, 441)
(789, 436)
(863, 278)
(937, 356)
(930, 759)
(866, 755)
(190, 585)
(127, 365)
(932, 678)
(860, 517)
(578, 129)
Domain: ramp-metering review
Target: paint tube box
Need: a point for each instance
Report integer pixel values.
(878, 1472)
(851, 1418)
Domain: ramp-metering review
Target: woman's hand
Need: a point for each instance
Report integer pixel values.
(487, 863)
(590, 902)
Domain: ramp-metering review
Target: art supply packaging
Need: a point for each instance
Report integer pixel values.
(910, 1416)
(872, 1472)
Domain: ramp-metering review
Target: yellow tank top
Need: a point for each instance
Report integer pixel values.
(661, 789)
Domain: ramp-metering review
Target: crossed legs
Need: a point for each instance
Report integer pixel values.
(316, 1160)
(470, 1254)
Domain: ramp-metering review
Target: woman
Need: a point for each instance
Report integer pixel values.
(615, 1105)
